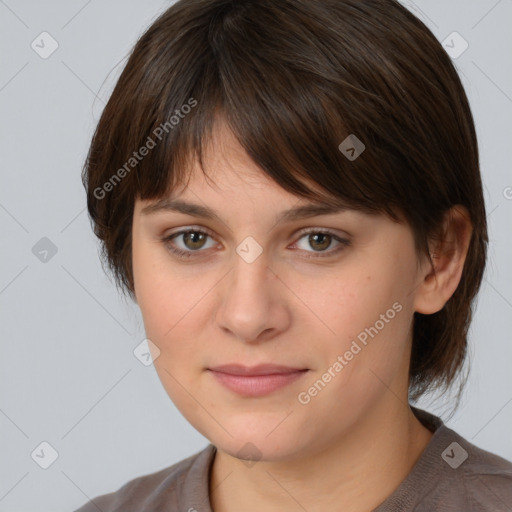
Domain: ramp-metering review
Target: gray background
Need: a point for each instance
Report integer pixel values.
(68, 375)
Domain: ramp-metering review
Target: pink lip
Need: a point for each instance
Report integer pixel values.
(257, 380)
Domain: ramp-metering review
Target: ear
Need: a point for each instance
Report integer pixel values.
(448, 255)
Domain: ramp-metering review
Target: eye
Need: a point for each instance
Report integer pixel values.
(319, 240)
(194, 240)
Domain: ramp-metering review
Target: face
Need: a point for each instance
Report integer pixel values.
(329, 297)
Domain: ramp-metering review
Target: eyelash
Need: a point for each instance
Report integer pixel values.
(190, 254)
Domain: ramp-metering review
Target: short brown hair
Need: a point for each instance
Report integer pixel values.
(294, 78)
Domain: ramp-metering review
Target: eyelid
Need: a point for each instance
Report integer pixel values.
(319, 229)
(300, 232)
(187, 229)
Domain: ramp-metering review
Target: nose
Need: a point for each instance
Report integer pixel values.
(253, 304)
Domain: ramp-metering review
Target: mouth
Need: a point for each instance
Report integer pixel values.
(256, 381)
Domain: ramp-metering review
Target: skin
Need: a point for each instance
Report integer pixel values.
(356, 440)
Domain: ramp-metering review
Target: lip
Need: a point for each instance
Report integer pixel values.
(256, 381)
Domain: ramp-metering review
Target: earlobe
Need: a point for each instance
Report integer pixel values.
(448, 255)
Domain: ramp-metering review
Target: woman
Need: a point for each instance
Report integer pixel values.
(290, 191)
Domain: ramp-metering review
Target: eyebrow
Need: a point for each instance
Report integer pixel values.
(293, 214)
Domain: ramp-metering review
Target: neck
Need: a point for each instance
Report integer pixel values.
(356, 473)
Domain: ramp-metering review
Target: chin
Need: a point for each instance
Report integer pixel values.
(257, 440)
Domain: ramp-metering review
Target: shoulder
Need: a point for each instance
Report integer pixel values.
(451, 475)
(158, 491)
(466, 476)
(486, 477)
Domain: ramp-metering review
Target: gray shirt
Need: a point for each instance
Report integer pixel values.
(451, 475)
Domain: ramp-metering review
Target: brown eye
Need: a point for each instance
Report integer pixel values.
(194, 240)
(191, 243)
(319, 241)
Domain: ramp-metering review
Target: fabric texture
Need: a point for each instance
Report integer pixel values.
(451, 475)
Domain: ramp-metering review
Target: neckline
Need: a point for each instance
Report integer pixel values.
(195, 491)
(417, 483)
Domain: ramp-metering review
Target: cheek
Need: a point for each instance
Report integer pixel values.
(348, 303)
(170, 306)
(370, 317)
(162, 295)
(170, 309)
